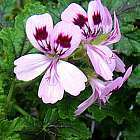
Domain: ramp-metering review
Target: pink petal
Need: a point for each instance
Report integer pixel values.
(120, 66)
(99, 17)
(74, 13)
(107, 54)
(30, 66)
(100, 65)
(97, 87)
(115, 35)
(127, 74)
(65, 38)
(38, 29)
(87, 103)
(107, 24)
(72, 79)
(113, 85)
(50, 90)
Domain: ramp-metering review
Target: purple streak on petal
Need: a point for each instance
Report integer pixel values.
(38, 29)
(96, 18)
(80, 20)
(64, 40)
(41, 33)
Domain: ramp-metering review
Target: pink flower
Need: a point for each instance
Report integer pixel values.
(54, 44)
(102, 91)
(93, 24)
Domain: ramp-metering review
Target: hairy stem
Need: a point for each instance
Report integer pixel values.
(11, 91)
(20, 110)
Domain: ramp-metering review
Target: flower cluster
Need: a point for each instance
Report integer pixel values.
(93, 29)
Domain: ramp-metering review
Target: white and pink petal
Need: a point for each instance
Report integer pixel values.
(99, 17)
(50, 91)
(72, 79)
(74, 13)
(38, 29)
(30, 66)
(65, 38)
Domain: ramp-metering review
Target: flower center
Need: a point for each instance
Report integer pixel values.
(99, 39)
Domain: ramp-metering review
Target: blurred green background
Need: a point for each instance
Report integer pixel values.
(23, 116)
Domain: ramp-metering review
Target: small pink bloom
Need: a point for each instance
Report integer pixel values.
(95, 22)
(55, 43)
(102, 91)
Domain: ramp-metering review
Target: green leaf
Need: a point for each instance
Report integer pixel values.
(8, 12)
(8, 55)
(73, 130)
(134, 80)
(66, 108)
(132, 132)
(12, 130)
(50, 116)
(138, 98)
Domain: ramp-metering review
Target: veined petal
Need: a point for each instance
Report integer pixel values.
(50, 89)
(30, 66)
(100, 65)
(76, 14)
(99, 17)
(115, 35)
(65, 38)
(120, 66)
(72, 79)
(38, 29)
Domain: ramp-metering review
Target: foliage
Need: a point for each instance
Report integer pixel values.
(23, 116)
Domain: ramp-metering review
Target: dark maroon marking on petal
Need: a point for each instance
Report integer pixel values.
(80, 20)
(96, 18)
(64, 40)
(41, 33)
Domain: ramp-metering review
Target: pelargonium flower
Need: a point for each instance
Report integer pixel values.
(102, 91)
(97, 33)
(54, 44)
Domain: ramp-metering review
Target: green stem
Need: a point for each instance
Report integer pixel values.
(10, 92)
(20, 110)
